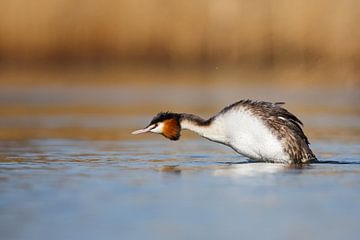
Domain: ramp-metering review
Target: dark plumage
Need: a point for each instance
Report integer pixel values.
(285, 125)
(162, 116)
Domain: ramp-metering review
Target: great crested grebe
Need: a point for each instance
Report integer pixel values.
(261, 131)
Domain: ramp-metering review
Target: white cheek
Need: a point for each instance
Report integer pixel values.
(158, 129)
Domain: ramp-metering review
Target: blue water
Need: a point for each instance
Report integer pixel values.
(81, 189)
(70, 169)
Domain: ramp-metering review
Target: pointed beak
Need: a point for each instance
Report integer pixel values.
(145, 130)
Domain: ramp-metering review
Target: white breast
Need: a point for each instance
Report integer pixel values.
(248, 135)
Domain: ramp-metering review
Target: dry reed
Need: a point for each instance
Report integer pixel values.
(256, 31)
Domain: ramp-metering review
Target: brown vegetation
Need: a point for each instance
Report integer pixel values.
(260, 32)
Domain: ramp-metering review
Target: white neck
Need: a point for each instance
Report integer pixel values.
(212, 131)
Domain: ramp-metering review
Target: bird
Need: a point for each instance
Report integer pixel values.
(259, 130)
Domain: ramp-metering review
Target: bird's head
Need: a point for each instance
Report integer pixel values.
(165, 123)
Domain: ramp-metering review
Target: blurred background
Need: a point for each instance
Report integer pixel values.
(62, 59)
(262, 33)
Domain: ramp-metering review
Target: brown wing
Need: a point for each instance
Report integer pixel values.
(285, 125)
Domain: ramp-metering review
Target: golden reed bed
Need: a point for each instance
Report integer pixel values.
(262, 32)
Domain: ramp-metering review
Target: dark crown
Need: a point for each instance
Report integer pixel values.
(162, 116)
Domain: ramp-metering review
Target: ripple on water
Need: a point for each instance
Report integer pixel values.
(105, 188)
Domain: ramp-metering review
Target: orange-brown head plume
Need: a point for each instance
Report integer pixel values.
(171, 124)
(171, 129)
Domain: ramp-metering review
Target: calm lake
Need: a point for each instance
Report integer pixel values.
(70, 169)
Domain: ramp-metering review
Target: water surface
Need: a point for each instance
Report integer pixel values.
(69, 169)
